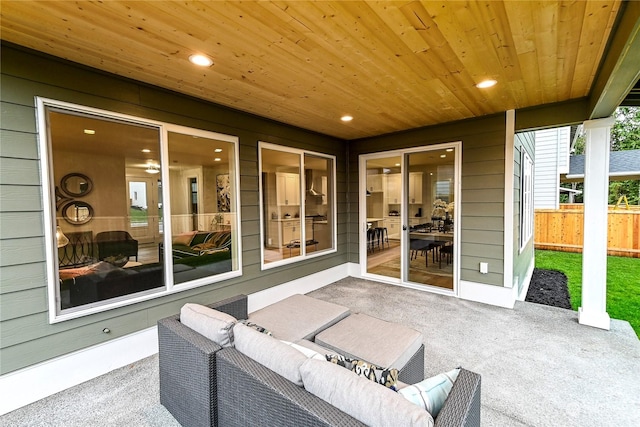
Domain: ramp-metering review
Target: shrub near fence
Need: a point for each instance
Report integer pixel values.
(562, 229)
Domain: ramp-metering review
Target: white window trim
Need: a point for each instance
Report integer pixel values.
(526, 200)
(49, 212)
(303, 184)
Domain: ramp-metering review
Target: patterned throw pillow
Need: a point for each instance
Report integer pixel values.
(387, 377)
(431, 393)
(256, 327)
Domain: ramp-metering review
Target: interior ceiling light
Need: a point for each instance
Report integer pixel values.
(443, 155)
(217, 159)
(397, 164)
(90, 131)
(146, 150)
(346, 118)
(449, 149)
(201, 60)
(151, 168)
(486, 83)
(218, 150)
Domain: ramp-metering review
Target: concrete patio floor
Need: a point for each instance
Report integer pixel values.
(539, 367)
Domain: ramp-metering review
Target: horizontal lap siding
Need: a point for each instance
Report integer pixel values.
(482, 198)
(26, 337)
(521, 259)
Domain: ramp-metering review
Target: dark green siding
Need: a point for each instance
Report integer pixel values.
(26, 337)
(482, 198)
(521, 259)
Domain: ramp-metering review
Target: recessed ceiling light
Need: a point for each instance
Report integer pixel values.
(151, 168)
(346, 118)
(443, 156)
(145, 150)
(201, 60)
(397, 164)
(486, 83)
(90, 131)
(217, 159)
(218, 150)
(449, 149)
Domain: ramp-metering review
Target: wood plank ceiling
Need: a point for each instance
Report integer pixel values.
(392, 65)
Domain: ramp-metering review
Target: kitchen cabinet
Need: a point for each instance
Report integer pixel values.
(374, 183)
(392, 194)
(283, 231)
(415, 188)
(288, 189)
(393, 226)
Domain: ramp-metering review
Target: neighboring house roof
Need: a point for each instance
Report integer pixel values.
(622, 165)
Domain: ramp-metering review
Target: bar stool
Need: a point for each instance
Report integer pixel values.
(383, 236)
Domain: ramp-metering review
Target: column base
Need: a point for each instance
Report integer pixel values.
(596, 319)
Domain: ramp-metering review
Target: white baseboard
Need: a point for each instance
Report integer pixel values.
(527, 280)
(303, 285)
(36, 382)
(488, 294)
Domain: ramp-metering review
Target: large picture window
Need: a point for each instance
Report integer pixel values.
(138, 208)
(298, 204)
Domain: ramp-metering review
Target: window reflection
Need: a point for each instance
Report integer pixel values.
(203, 217)
(112, 237)
(298, 207)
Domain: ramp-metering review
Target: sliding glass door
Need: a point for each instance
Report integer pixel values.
(408, 220)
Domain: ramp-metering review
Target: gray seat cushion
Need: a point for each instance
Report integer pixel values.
(298, 317)
(386, 344)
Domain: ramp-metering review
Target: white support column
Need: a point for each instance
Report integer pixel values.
(594, 252)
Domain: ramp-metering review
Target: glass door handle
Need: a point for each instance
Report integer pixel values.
(404, 228)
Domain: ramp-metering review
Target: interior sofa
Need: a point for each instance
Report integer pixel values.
(100, 280)
(205, 383)
(198, 243)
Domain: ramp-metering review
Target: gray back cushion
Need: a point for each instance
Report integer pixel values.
(368, 402)
(270, 352)
(213, 324)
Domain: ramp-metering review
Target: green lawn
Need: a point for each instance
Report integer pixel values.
(623, 282)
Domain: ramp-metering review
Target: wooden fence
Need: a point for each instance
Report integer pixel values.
(563, 230)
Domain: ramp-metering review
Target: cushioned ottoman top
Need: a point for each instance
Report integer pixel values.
(382, 343)
(298, 317)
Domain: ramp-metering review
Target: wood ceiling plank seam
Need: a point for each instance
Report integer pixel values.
(385, 60)
(470, 38)
(442, 59)
(355, 93)
(570, 19)
(400, 51)
(496, 26)
(520, 23)
(106, 53)
(545, 22)
(586, 72)
(406, 33)
(363, 83)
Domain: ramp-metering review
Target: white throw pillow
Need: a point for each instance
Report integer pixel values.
(213, 324)
(431, 393)
(309, 354)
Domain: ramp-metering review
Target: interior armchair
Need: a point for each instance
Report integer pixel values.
(116, 244)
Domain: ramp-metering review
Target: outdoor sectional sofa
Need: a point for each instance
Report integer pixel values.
(203, 383)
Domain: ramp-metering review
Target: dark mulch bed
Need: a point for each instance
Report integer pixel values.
(549, 287)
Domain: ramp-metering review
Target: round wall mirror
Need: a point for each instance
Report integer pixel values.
(77, 213)
(76, 184)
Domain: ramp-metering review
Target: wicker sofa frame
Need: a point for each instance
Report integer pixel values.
(202, 384)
